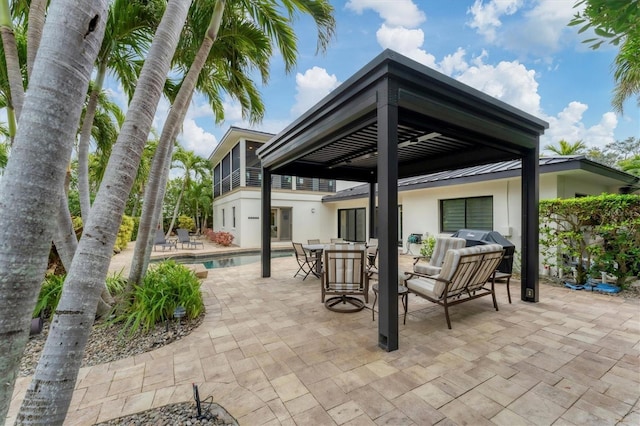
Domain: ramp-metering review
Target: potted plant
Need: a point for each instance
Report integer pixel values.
(428, 244)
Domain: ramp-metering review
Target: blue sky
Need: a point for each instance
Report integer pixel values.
(519, 51)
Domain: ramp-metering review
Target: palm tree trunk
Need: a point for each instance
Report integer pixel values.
(152, 204)
(49, 394)
(11, 58)
(37, 12)
(176, 209)
(83, 145)
(30, 193)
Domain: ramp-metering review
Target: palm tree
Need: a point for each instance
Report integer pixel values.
(127, 37)
(30, 193)
(565, 148)
(200, 198)
(255, 37)
(191, 164)
(626, 72)
(12, 59)
(49, 394)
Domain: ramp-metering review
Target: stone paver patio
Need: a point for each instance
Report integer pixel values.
(270, 353)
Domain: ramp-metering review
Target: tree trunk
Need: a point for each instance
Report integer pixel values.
(30, 193)
(37, 12)
(175, 209)
(49, 394)
(83, 145)
(12, 61)
(152, 205)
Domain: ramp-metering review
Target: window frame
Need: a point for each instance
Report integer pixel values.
(466, 213)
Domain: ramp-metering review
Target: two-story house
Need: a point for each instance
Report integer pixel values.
(297, 212)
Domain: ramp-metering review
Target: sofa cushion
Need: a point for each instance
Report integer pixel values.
(452, 259)
(426, 269)
(423, 286)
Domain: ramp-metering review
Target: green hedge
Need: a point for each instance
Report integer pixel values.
(603, 231)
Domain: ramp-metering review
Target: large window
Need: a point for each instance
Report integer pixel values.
(352, 224)
(466, 213)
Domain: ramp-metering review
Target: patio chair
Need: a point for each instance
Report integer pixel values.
(434, 265)
(315, 241)
(307, 264)
(184, 238)
(160, 241)
(343, 277)
(337, 240)
(372, 256)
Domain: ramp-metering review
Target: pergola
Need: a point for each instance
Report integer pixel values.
(396, 118)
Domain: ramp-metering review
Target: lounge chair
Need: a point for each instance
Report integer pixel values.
(184, 238)
(160, 241)
(434, 264)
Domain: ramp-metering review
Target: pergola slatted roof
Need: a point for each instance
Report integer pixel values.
(394, 119)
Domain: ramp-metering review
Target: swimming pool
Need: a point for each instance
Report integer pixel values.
(228, 260)
(225, 260)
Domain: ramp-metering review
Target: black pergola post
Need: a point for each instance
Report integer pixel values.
(530, 224)
(266, 222)
(387, 111)
(372, 210)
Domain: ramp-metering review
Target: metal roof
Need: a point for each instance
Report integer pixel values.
(500, 170)
(442, 124)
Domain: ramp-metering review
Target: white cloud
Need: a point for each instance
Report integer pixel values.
(486, 16)
(454, 63)
(511, 82)
(568, 125)
(397, 13)
(312, 86)
(195, 138)
(406, 42)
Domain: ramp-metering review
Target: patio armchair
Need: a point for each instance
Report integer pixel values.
(314, 241)
(184, 238)
(434, 264)
(307, 264)
(344, 276)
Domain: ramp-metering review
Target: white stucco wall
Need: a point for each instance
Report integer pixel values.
(309, 217)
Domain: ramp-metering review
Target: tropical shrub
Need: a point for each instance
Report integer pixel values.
(124, 233)
(166, 286)
(51, 291)
(596, 233)
(223, 238)
(186, 222)
(49, 296)
(428, 244)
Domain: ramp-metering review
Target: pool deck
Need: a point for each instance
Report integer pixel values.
(271, 353)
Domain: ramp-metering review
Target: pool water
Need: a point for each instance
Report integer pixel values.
(237, 259)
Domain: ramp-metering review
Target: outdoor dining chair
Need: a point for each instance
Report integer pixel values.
(306, 263)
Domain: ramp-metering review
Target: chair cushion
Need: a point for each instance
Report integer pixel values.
(452, 258)
(423, 286)
(444, 244)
